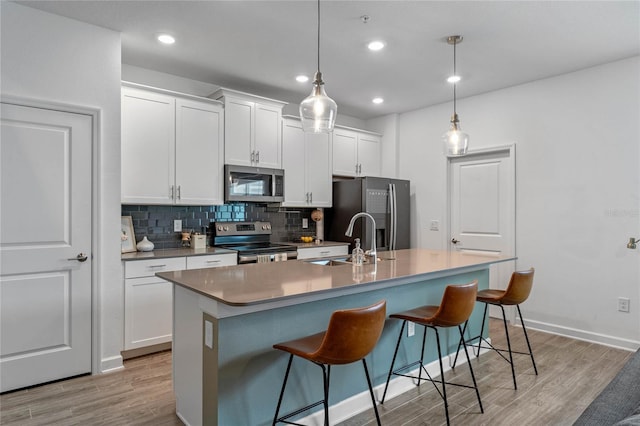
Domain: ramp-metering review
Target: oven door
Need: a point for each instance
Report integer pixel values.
(253, 184)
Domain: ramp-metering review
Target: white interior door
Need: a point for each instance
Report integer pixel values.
(45, 233)
(482, 208)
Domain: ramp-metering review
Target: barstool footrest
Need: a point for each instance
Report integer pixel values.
(284, 418)
(491, 347)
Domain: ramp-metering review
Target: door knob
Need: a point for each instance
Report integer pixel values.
(454, 241)
(81, 257)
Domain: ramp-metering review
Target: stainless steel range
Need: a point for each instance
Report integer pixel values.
(252, 242)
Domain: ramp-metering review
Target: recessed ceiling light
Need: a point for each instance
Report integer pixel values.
(376, 45)
(377, 100)
(453, 79)
(302, 78)
(166, 39)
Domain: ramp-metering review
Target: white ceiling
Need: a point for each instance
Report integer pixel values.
(260, 46)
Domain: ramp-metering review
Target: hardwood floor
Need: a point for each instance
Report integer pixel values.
(571, 374)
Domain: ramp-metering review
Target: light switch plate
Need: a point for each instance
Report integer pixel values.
(177, 225)
(305, 223)
(434, 226)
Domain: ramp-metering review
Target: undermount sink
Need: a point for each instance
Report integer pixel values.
(330, 262)
(341, 261)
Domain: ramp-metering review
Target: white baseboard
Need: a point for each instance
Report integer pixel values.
(113, 363)
(587, 336)
(398, 385)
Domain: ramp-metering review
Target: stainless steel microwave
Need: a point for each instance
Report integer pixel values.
(253, 184)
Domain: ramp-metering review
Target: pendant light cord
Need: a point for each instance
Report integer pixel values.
(455, 75)
(318, 35)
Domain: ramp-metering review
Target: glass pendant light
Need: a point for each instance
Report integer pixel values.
(455, 141)
(318, 111)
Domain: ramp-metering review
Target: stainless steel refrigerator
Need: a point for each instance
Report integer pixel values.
(387, 200)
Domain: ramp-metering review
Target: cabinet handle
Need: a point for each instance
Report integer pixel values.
(311, 197)
(356, 169)
(157, 266)
(214, 261)
(253, 156)
(171, 192)
(325, 252)
(178, 193)
(360, 168)
(257, 156)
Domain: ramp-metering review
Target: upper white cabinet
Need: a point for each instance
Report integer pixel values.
(172, 148)
(252, 133)
(355, 153)
(306, 159)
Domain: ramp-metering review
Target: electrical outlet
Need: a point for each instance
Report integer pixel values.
(177, 225)
(305, 223)
(411, 328)
(623, 304)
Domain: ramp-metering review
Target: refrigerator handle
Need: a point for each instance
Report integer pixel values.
(393, 220)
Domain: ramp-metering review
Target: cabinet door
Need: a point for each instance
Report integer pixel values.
(238, 128)
(267, 136)
(345, 159)
(318, 169)
(148, 147)
(369, 155)
(199, 153)
(148, 312)
(293, 163)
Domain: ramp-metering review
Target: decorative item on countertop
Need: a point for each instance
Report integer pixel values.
(317, 216)
(186, 239)
(357, 255)
(145, 245)
(198, 241)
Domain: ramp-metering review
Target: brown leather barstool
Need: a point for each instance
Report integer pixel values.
(517, 292)
(455, 309)
(351, 336)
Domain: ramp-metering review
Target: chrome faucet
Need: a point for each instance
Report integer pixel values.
(371, 252)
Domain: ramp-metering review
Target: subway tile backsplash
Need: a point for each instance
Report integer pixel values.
(156, 222)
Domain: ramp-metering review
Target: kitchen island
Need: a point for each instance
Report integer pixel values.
(226, 320)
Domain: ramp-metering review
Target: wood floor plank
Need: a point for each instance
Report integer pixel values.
(571, 374)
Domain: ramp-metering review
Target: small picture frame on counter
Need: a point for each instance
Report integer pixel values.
(127, 236)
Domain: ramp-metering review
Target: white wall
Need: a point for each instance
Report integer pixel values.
(577, 142)
(54, 59)
(388, 126)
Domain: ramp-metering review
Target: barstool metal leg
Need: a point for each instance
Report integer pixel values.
(326, 374)
(527, 339)
(466, 352)
(395, 353)
(373, 398)
(284, 384)
(424, 339)
(484, 317)
(506, 332)
(444, 387)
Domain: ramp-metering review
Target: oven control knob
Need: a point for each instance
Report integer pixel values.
(226, 228)
(219, 227)
(264, 227)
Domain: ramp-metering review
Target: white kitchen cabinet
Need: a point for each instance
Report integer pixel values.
(252, 129)
(148, 300)
(322, 251)
(306, 160)
(356, 153)
(172, 148)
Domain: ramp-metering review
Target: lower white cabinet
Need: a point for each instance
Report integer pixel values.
(322, 251)
(148, 300)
